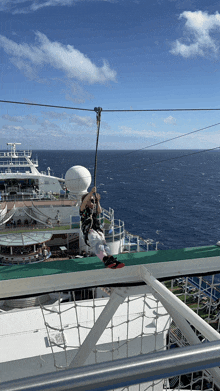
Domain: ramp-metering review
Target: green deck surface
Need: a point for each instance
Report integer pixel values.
(93, 263)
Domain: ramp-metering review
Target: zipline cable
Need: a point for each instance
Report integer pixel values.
(173, 158)
(44, 105)
(131, 110)
(98, 121)
(104, 110)
(179, 157)
(174, 138)
(165, 160)
(170, 139)
(149, 110)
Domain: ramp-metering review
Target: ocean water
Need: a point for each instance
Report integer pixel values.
(165, 195)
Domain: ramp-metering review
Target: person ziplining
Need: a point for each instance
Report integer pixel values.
(90, 210)
(93, 235)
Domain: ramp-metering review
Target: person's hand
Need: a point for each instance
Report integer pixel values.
(98, 197)
(93, 190)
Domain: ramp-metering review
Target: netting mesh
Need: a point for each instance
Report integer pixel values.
(202, 294)
(140, 325)
(201, 380)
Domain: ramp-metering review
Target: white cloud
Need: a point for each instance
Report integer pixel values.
(198, 40)
(24, 6)
(65, 58)
(17, 132)
(11, 127)
(83, 121)
(75, 92)
(152, 124)
(55, 114)
(30, 117)
(12, 118)
(170, 120)
(37, 5)
(27, 6)
(128, 131)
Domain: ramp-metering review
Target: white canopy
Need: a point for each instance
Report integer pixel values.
(24, 239)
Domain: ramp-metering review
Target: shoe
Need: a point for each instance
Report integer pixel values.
(118, 265)
(109, 262)
(112, 262)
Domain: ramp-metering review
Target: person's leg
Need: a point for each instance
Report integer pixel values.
(106, 247)
(97, 244)
(99, 247)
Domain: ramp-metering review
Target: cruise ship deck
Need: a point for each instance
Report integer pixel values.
(18, 280)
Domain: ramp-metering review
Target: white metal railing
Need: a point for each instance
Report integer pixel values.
(125, 372)
(36, 196)
(19, 190)
(116, 228)
(134, 243)
(17, 163)
(16, 154)
(116, 231)
(108, 214)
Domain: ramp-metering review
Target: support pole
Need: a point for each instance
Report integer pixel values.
(67, 241)
(116, 298)
(205, 329)
(187, 331)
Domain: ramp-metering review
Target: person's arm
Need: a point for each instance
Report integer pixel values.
(86, 199)
(98, 206)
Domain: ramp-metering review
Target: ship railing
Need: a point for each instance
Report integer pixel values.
(27, 153)
(18, 190)
(32, 195)
(134, 243)
(115, 232)
(17, 163)
(130, 372)
(108, 215)
(199, 289)
(132, 324)
(24, 195)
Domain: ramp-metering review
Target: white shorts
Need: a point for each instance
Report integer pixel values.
(97, 243)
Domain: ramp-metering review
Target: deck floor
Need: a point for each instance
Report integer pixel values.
(93, 263)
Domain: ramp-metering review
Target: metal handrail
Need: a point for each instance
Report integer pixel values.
(124, 372)
(118, 231)
(17, 163)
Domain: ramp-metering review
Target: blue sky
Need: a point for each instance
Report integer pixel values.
(116, 54)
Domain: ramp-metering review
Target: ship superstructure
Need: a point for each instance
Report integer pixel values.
(60, 309)
(20, 178)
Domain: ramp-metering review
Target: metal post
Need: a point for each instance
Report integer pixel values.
(67, 241)
(187, 331)
(116, 298)
(205, 329)
(138, 245)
